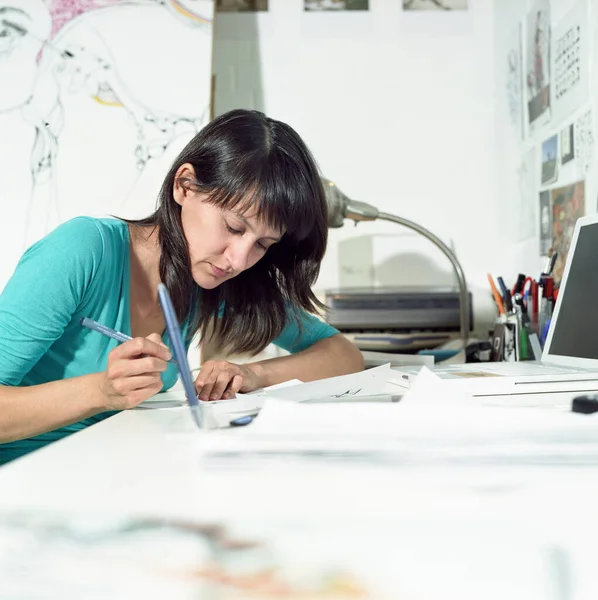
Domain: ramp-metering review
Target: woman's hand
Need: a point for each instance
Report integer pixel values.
(221, 379)
(133, 372)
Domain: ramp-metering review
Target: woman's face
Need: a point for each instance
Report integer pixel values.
(222, 243)
(24, 26)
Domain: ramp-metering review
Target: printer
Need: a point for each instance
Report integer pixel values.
(396, 319)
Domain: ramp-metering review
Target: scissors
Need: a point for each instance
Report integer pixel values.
(521, 283)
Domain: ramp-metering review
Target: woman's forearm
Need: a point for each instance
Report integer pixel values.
(31, 410)
(327, 358)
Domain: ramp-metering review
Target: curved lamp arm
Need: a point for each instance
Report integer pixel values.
(340, 207)
(463, 295)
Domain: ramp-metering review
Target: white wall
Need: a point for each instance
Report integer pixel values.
(397, 107)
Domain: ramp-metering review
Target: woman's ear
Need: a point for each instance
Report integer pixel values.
(183, 180)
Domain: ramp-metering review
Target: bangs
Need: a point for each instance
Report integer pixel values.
(282, 204)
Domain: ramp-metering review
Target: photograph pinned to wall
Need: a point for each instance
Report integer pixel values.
(241, 5)
(570, 63)
(583, 136)
(537, 64)
(550, 160)
(524, 212)
(70, 79)
(435, 4)
(514, 80)
(309, 5)
(568, 204)
(545, 223)
(567, 144)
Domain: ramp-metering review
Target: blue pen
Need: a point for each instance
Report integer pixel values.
(111, 333)
(178, 349)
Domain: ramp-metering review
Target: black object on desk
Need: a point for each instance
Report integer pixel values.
(587, 404)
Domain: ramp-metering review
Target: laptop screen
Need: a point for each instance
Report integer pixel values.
(573, 336)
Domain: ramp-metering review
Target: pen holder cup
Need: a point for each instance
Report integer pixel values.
(514, 339)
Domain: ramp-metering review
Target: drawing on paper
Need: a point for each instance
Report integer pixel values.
(513, 80)
(537, 73)
(524, 212)
(583, 135)
(94, 113)
(550, 160)
(127, 557)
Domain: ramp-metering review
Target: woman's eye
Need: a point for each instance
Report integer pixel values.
(233, 230)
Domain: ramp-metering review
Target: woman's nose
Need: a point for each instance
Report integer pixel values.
(238, 256)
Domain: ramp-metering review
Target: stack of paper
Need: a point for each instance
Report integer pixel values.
(429, 426)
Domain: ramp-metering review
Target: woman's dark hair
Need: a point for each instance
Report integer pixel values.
(243, 158)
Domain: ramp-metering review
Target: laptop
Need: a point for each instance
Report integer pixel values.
(569, 360)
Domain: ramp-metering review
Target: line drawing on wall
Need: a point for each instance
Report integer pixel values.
(94, 96)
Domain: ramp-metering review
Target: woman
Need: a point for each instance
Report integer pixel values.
(237, 238)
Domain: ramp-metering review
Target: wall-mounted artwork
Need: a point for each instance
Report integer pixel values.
(335, 5)
(537, 71)
(568, 204)
(550, 160)
(570, 62)
(241, 5)
(96, 99)
(435, 4)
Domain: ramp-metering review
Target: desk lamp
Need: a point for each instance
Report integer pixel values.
(340, 207)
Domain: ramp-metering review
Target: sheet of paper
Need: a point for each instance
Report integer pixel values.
(366, 383)
(369, 382)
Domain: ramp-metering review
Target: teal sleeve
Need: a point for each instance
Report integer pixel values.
(312, 330)
(42, 295)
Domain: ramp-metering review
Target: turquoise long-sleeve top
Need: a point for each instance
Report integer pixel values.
(81, 269)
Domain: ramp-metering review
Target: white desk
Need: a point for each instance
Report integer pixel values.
(144, 462)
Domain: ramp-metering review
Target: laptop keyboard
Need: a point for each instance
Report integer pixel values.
(521, 368)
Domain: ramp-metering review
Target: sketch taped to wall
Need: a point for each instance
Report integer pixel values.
(524, 211)
(584, 141)
(537, 71)
(570, 63)
(514, 79)
(100, 99)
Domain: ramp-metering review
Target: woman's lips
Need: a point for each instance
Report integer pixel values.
(218, 272)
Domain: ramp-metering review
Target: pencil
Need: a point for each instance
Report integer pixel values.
(496, 294)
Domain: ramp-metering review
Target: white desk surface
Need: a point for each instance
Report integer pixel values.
(144, 462)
